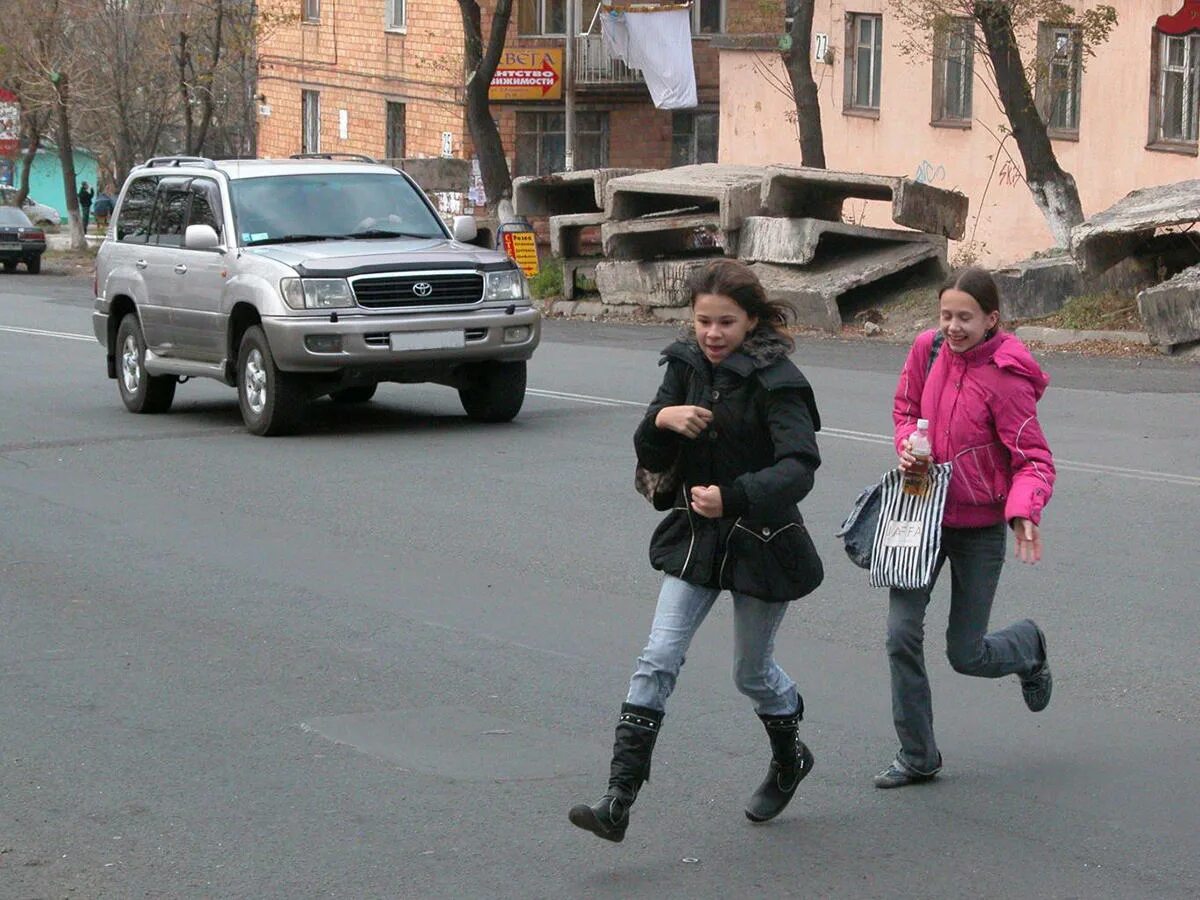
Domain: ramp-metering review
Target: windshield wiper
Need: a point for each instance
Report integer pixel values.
(295, 239)
(385, 233)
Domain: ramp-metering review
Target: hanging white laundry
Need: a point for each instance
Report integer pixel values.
(660, 45)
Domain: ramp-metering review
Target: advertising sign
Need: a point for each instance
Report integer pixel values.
(528, 74)
(521, 246)
(10, 124)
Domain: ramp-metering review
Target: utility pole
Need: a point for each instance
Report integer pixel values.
(569, 87)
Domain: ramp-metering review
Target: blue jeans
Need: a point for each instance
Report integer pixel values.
(681, 608)
(976, 556)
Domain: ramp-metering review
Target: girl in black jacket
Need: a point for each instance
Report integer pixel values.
(728, 445)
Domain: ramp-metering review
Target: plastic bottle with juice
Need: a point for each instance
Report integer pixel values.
(916, 477)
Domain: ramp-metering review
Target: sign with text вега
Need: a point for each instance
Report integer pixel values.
(528, 74)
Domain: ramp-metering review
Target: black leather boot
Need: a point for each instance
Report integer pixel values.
(791, 761)
(636, 732)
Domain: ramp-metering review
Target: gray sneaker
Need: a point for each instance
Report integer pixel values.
(1038, 684)
(899, 775)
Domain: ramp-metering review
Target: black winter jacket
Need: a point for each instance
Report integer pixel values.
(760, 448)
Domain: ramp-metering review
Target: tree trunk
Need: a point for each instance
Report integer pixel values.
(1054, 190)
(66, 156)
(185, 92)
(480, 66)
(32, 124)
(804, 88)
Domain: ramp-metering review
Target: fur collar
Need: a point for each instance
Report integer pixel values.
(764, 345)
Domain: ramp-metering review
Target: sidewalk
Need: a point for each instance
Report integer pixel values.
(62, 240)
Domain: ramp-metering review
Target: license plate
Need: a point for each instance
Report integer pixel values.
(7, 246)
(427, 340)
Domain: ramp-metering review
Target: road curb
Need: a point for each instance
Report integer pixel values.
(1060, 336)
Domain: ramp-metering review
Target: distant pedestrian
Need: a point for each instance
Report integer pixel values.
(85, 204)
(102, 208)
(980, 399)
(732, 430)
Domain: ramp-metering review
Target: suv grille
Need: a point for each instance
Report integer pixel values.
(424, 289)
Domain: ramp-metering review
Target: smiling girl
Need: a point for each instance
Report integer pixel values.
(981, 402)
(735, 421)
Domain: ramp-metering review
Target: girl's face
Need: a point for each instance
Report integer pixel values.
(963, 321)
(721, 325)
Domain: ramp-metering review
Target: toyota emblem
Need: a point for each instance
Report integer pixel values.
(422, 289)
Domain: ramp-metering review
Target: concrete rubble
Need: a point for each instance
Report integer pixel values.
(657, 227)
(1149, 231)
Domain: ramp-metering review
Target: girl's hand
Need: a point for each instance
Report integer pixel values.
(687, 420)
(1029, 540)
(706, 501)
(906, 457)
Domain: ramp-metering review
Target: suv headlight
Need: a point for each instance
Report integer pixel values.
(509, 284)
(316, 293)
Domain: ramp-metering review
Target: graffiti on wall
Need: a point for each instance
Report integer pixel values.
(928, 173)
(1010, 174)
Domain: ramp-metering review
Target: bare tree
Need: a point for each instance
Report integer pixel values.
(797, 60)
(1003, 25)
(480, 63)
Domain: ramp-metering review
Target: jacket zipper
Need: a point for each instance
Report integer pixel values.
(692, 527)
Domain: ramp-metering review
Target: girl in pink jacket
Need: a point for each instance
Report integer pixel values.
(980, 398)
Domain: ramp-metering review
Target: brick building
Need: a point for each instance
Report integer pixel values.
(385, 78)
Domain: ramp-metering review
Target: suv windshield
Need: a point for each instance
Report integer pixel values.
(331, 206)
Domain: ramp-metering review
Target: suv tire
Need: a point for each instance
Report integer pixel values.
(140, 392)
(357, 394)
(494, 391)
(272, 402)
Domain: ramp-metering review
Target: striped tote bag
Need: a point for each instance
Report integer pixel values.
(909, 534)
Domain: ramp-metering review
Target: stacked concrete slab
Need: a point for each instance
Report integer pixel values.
(784, 222)
(571, 202)
(1153, 227)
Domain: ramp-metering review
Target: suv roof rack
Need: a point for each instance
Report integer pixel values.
(358, 157)
(179, 161)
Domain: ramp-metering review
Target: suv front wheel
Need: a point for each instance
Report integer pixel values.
(272, 402)
(140, 392)
(494, 392)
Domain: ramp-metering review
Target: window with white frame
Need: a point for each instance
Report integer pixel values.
(310, 128)
(541, 146)
(542, 17)
(708, 16)
(864, 58)
(953, 72)
(310, 10)
(1059, 78)
(693, 138)
(395, 14)
(1175, 89)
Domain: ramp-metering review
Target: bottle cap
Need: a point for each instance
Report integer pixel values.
(922, 424)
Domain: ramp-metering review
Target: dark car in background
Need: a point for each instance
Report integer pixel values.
(20, 241)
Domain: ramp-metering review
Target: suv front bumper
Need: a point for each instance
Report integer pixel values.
(365, 339)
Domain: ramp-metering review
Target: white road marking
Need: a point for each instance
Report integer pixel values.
(843, 433)
(38, 332)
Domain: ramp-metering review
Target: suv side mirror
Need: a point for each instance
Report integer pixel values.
(201, 237)
(465, 230)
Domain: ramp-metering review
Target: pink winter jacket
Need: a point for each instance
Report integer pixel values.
(982, 412)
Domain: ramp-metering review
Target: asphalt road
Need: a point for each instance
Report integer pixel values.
(381, 659)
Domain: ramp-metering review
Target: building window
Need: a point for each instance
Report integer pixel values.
(310, 132)
(541, 16)
(864, 38)
(1175, 87)
(708, 16)
(395, 131)
(542, 146)
(953, 72)
(1059, 74)
(310, 10)
(395, 14)
(693, 138)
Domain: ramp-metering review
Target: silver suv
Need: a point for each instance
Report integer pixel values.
(299, 278)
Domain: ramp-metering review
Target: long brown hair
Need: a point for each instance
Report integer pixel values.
(978, 283)
(737, 281)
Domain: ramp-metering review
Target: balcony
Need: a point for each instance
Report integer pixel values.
(594, 66)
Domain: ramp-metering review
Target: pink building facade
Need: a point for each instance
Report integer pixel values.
(1124, 118)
